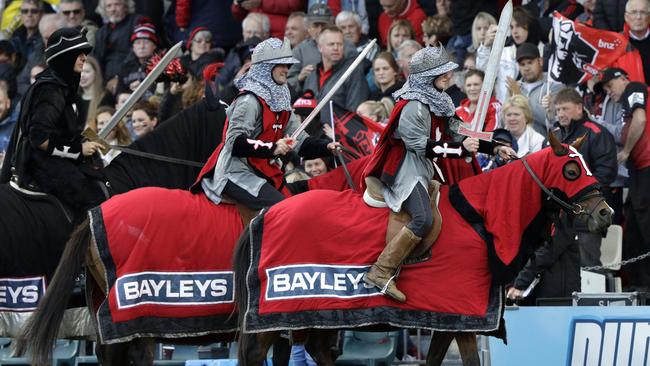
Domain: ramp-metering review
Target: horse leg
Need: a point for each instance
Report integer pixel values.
(141, 351)
(253, 347)
(112, 354)
(468, 348)
(440, 342)
(281, 351)
(319, 345)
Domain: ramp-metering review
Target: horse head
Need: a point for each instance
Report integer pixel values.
(568, 182)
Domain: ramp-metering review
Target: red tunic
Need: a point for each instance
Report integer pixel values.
(273, 125)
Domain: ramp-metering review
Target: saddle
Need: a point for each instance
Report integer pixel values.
(374, 197)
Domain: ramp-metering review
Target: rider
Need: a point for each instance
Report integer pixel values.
(46, 149)
(260, 119)
(402, 160)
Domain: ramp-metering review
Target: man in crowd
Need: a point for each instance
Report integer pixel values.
(633, 97)
(599, 152)
(8, 117)
(307, 53)
(144, 40)
(74, 15)
(333, 64)
(533, 85)
(350, 24)
(112, 40)
(404, 54)
(296, 30)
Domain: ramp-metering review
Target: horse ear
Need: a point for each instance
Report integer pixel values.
(557, 146)
(579, 141)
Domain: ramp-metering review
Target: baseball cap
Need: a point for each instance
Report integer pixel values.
(319, 13)
(527, 50)
(608, 75)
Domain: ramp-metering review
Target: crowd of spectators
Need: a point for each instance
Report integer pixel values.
(326, 36)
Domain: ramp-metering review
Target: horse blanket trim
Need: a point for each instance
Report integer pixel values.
(114, 332)
(255, 322)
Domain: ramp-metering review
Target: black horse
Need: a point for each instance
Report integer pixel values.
(34, 230)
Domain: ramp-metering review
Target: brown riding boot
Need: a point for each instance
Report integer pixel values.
(382, 273)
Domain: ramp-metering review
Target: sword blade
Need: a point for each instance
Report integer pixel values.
(173, 52)
(476, 127)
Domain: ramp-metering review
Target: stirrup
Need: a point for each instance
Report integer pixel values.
(372, 202)
(373, 195)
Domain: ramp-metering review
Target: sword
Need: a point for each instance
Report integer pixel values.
(336, 86)
(173, 52)
(475, 129)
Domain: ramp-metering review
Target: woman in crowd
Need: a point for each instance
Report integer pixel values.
(480, 26)
(376, 110)
(467, 108)
(399, 31)
(144, 118)
(92, 92)
(199, 43)
(118, 136)
(524, 28)
(517, 119)
(386, 76)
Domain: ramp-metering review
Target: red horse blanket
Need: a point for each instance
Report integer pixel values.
(308, 266)
(167, 257)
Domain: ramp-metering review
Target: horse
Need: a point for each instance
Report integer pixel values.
(34, 229)
(80, 252)
(311, 278)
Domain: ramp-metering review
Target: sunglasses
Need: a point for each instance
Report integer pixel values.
(69, 12)
(29, 11)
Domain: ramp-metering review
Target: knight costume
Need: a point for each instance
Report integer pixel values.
(401, 166)
(49, 115)
(243, 167)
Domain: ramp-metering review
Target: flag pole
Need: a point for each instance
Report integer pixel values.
(332, 125)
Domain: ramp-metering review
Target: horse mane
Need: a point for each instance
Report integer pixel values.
(191, 134)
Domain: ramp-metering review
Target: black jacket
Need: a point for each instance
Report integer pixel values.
(599, 150)
(47, 114)
(609, 15)
(113, 44)
(556, 262)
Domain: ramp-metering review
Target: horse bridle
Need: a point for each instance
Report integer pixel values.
(575, 207)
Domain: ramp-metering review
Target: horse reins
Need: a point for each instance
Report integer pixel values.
(166, 159)
(575, 207)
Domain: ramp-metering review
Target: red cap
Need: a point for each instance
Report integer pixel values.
(145, 31)
(193, 34)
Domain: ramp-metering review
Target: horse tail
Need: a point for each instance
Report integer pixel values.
(241, 262)
(42, 327)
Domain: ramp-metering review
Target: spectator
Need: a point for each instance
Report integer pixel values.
(386, 74)
(296, 29)
(518, 118)
(256, 25)
(533, 85)
(350, 24)
(144, 118)
(199, 47)
(377, 111)
(467, 108)
(333, 64)
(404, 54)
(437, 28)
(9, 61)
(307, 53)
(315, 167)
(524, 28)
(354, 6)
(598, 151)
(254, 30)
(400, 31)
(144, 41)
(587, 16)
(635, 137)
(480, 27)
(112, 41)
(92, 92)
(609, 15)
(469, 63)
(9, 111)
(637, 19)
(443, 7)
(400, 9)
(276, 11)
(463, 13)
(26, 38)
(74, 16)
(185, 15)
(119, 135)
(243, 52)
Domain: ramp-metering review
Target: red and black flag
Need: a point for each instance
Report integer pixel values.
(581, 52)
(355, 132)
